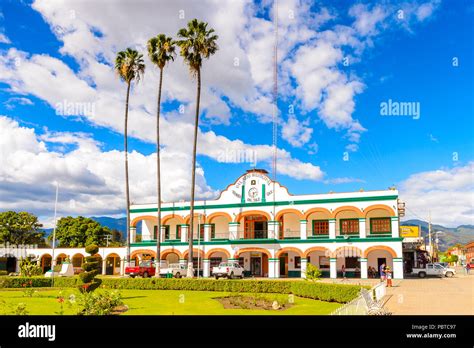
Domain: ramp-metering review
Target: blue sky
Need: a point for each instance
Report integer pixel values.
(337, 142)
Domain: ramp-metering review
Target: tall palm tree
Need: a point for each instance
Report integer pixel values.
(161, 50)
(196, 43)
(130, 67)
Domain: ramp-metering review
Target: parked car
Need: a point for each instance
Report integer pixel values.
(434, 269)
(145, 269)
(229, 270)
(444, 264)
(176, 269)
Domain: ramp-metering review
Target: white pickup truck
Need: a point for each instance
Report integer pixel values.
(434, 269)
(177, 270)
(229, 270)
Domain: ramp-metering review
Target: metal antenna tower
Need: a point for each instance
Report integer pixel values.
(275, 103)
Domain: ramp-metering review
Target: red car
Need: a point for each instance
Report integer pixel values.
(145, 269)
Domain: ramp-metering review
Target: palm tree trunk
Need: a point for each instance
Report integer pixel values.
(158, 178)
(127, 188)
(190, 272)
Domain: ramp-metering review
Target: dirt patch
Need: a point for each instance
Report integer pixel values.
(250, 302)
(119, 310)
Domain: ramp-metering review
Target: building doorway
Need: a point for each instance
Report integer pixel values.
(380, 261)
(256, 266)
(284, 265)
(256, 226)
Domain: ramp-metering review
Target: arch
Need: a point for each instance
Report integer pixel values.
(261, 250)
(142, 251)
(195, 252)
(61, 258)
(143, 217)
(379, 247)
(252, 212)
(350, 208)
(187, 219)
(166, 252)
(283, 250)
(44, 266)
(76, 256)
(316, 248)
(46, 254)
(379, 206)
(215, 250)
(112, 255)
(168, 217)
(353, 249)
(317, 210)
(217, 214)
(288, 211)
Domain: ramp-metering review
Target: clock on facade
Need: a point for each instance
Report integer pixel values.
(253, 193)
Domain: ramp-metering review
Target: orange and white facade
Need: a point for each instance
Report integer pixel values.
(270, 232)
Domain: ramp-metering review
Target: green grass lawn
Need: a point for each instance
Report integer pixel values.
(159, 302)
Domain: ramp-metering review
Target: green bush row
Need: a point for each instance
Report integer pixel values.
(341, 293)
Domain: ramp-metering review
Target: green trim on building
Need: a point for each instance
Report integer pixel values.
(274, 259)
(263, 204)
(394, 218)
(333, 259)
(263, 193)
(398, 259)
(242, 199)
(362, 259)
(275, 241)
(234, 223)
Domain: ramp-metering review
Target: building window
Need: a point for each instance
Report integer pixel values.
(178, 232)
(320, 227)
(349, 226)
(213, 231)
(297, 262)
(380, 225)
(352, 262)
(323, 262)
(215, 261)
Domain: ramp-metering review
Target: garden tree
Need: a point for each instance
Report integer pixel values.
(117, 239)
(29, 268)
(161, 50)
(91, 270)
(79, 232)
(197, 42)
(130, 67)
(312, 272)
(20, 228)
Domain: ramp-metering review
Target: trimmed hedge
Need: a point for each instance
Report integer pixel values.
(341, 293)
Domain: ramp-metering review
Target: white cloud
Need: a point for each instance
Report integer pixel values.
(448, 193)
(295, 132)
(91, 181)
(4, 39)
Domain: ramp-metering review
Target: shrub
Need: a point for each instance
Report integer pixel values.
(29, 268)
(313, 272)
(99, 303)
(91, 270)
(341, 293)
(3, 273)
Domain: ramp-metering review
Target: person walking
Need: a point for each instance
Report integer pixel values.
(468, 268)
(382, 272)
(343, 271)
(388, 275)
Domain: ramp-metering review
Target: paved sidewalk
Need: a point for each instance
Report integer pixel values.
(432, 296)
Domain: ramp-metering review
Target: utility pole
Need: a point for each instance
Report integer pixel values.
(54, 231)
(429, 237)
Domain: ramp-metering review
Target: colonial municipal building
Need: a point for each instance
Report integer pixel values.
(270, 232)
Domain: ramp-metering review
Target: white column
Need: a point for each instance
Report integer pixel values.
(398, 268)
(332, 228)
(362, 232)
(272, 268)
(395, 227)
(363, 268)
(206, 268)
(333, 268)
(303, 230)
(207, 232)
(133, 234)
(304, 263)
(272, 230)
(163, 231)
(276, 231)
(122, 266)
(184, 233)
(234, 230)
